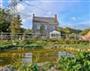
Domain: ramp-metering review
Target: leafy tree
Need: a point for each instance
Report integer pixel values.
(68, 30)
(28, 31)
(9, 23)
(4, 21)
(15, 25)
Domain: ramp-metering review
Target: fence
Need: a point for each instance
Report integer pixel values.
(20, 36)
(8, 36)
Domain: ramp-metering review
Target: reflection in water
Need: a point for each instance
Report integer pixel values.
(64, 53)
(27, 58)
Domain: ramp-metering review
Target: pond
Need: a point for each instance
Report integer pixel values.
(32, 56)
(27, 58)
(65, 54)
(5, 61)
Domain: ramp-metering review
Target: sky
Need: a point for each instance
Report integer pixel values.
(71, 13)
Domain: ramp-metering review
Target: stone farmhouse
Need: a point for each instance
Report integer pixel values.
(42, 26)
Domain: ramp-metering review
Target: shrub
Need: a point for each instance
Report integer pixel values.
(81, 62)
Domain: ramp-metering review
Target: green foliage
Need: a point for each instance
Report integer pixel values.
(68, 30)
(15, 25)
(26, 67)
(8, 23)
(84, 32)
(31, 67)
(4, 60)
(47, 66)
(33, 43)
(4, 23)
(81, 62)
(27, 31)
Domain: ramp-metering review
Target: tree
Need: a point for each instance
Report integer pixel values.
(68, 30)
(4, 21)
(27, 31)
(15, 25)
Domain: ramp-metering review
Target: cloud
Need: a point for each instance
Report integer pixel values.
(62, 8)
(41, 7)
(79, 25)
(0, 3)
(44, 8)
(20, 8)
(74, 18)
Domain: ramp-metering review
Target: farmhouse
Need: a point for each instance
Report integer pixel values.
(42, 26)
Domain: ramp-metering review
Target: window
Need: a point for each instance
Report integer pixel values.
(38, 26)
(45, 27)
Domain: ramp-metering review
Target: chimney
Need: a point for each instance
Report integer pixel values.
(56, 16)
(56, 25)
(33, 15)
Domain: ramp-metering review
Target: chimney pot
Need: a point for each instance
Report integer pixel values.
(33, 15)
(55, 16)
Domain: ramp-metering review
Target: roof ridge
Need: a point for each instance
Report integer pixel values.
(43, 17)
(50, 20)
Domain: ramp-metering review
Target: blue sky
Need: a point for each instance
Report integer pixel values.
(71, 13)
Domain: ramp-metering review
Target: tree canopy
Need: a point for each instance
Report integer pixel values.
(4, 22)
(68, 30)
(15, 25)
(9, 23)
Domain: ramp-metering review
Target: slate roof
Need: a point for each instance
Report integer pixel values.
(49, 20)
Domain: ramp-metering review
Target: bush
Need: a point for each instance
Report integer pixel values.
(81, 62)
